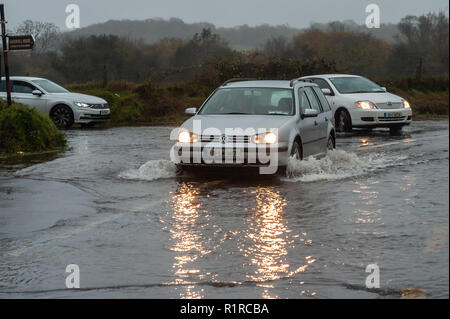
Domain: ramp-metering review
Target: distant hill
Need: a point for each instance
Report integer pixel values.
(241, 37)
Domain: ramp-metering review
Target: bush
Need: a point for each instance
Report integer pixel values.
(428, 96)
(23, 129)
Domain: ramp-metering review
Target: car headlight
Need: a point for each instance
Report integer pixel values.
(187, 137)
(365, 105)
(406, 104)
(265, 138)
(82, 104)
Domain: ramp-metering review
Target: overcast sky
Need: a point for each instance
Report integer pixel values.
(296, 13)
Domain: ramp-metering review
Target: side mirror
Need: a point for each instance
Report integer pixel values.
(191, 111)
(310, 113)
(36, 92)
(384, 89)
(326, 91)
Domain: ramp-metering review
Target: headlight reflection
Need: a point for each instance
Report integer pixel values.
(187, 239)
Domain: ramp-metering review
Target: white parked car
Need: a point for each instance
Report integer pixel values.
(358, 102)
(244, 120)
(63, 106)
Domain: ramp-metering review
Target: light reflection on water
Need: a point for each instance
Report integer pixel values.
(270, 240)
(187, 239)
(265, 242)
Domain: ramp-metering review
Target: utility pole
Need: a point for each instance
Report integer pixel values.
(5, 53)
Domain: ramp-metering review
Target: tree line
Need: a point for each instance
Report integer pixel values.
(421, 48)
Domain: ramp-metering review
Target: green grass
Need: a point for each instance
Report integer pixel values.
(145, 103)
(428, 96)
(25, 130)
(427, 104)
(151, 103)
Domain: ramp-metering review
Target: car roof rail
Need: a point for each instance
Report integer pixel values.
(238, 80)
(299, 79)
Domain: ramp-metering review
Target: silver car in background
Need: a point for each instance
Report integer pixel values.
(243, 117)
(64, 107)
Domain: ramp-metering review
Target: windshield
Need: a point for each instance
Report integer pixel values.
(49, 86)
(257, 101)
(355, 84)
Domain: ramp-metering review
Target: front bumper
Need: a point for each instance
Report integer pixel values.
(92, 115)
(380, 117)
(230, 155)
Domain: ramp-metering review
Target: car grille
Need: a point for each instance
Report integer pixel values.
(229, 156)
(391, 119)
(225, 138)
(95, 117)
(390, 105)
(100, 106)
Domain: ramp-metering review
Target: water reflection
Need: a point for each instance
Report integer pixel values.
(366, 210)
(185, 232)
(270, 240)
(265, 241)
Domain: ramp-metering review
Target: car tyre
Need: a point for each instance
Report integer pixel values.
(331, 144)
(296, 151)
(343, 121)
(62, 116)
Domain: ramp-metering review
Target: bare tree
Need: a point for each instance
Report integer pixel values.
(45, 34)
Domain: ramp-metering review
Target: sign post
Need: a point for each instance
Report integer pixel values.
(12, 43)
(5, 54)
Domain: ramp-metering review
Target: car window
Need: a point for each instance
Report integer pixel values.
(304, 102)
(355, 84)
(22, 87)
(322, 99)
(2, 86)
(312, 99)
(49, 86)
(321, 83)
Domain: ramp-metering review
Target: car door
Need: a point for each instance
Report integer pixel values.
(326, 117)
(320, 122)
(21, 92)
(308, 126)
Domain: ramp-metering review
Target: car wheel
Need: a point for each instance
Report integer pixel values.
(62, 116)
(296, 151)
(331, 144)
(343, 122)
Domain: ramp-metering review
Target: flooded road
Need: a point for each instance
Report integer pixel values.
(114, 206)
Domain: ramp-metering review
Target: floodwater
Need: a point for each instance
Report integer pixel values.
(114, 206)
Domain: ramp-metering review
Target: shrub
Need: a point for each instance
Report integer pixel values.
(27, 130)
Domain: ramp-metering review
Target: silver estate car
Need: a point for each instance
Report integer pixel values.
(63, 106)
(255, 123)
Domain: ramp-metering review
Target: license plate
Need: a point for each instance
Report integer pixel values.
(102, 112)
(215, 153)
(393, 114)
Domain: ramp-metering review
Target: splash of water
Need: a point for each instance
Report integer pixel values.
(152, 170)
(338, 164)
